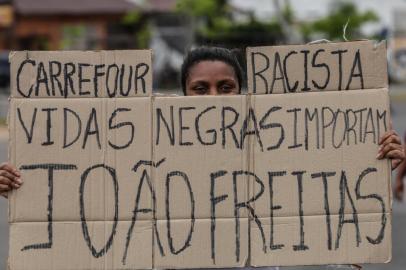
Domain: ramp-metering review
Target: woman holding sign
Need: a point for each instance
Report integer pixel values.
(214, 71)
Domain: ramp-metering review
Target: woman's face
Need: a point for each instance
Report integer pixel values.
(212, 78)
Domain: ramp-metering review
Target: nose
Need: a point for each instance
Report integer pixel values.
(213, 91)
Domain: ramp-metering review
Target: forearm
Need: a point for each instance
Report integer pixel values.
(401, 171)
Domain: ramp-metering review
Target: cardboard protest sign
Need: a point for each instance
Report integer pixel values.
(316, 67)
(147, 182)
(39, 74)
(77, 155)
(325, 197)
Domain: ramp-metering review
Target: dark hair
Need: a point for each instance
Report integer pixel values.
(210, 54)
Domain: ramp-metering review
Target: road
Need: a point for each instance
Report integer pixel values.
(398, 102)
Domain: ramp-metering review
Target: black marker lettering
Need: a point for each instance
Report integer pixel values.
(245, 129)
(341, 216)
(97, 74)
(310, 117)
(325, 124)
(114, 125)
(182, 127)
(285, 72)
(140, 76)
(95, 131)
(53, 76)
(259, 73)
(130, 75)
(69, 70)
(29, 133)
(374, 196)
(356, 63)
(295, 143)
(112, 93)
(168, 217)
(214, 200)
(50, 168)
(324, 176)
(246, 204)
(225, 126)
(83, 80)
(277, 64)
(351, 125)
(98, 253)
(299, 177)
(272, 208)
(210, 131)
(19, 71)
(65, 127)
(42, 78)
(322, 65)
(380, 116)
(333, 136)
(171, 129)
(145, 178)
(340, 66)
(264, 126)
(305, 68)
(369, 126)
(48, 126)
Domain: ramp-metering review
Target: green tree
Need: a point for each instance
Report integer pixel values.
(332, 25)
(141, 26)
(215, 24)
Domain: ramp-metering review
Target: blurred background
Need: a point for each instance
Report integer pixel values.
(172, 27)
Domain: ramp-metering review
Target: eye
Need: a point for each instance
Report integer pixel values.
(199, 89)
(227, 88)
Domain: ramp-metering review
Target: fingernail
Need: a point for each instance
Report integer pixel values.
(19, 181)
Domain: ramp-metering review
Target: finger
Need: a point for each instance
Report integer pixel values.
(392, 139)
(4, 188)
(10, 176)
(10, 168)
(9, 182)
(395, 154)
(383, 153)
(5, 181)
(386, 135)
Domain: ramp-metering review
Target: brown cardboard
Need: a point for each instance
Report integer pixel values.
(317, 67)
(38, 74)
(346, 157)
(191, 188)
(99, 187)
(200, 150)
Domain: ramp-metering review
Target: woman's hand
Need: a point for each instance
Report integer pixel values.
(10, 178)
(391, 148)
